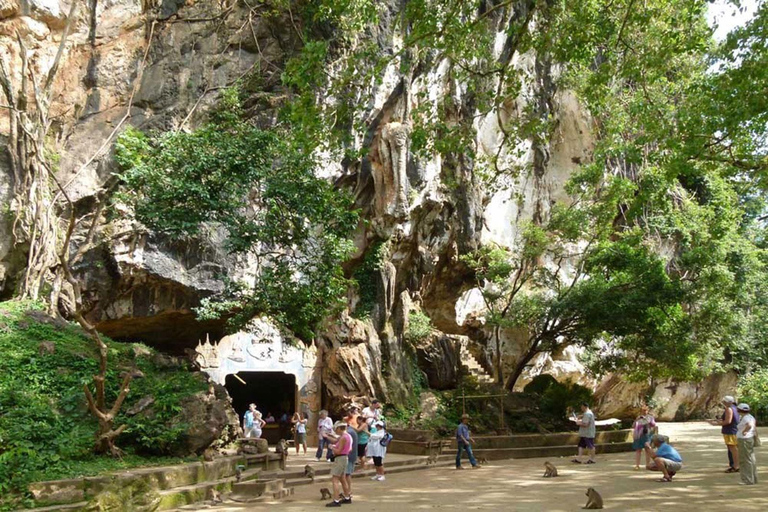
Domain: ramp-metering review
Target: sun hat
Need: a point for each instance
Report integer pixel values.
(377, 423)
(743, 407)
(729, 399)
(339, 424)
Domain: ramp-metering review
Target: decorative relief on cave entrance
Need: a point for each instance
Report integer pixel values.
(262, 347)
(259, 350)
(207, 354)
(237, 354)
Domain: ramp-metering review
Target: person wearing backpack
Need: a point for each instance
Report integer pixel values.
(464, 441)
(377, 448)
(642, 430)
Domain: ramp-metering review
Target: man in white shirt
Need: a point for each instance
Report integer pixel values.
(587, 432)
(372, 413)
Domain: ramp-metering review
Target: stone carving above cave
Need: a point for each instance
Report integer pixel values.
(207, 354)
(261, 347)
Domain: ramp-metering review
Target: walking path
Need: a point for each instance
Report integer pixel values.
(517, 485)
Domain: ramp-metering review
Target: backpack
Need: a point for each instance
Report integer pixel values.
(384, 441)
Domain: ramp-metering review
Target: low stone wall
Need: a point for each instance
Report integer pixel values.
(417, 442)
(151, 481)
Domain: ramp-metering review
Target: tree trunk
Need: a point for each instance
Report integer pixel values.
(521, 364)
(499, 368)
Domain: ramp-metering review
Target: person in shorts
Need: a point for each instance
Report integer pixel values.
(363, 432)
(729, 426)
(662, 457)
(587, 432)
(376, 450)
(351, 420)
(300, 431)
(642, 429)
(341, 449)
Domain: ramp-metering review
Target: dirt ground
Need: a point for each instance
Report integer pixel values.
(517, 484)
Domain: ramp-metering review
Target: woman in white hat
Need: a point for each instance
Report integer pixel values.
(746, 439)
(376, 450)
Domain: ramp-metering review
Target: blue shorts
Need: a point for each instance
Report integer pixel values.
(639, 443)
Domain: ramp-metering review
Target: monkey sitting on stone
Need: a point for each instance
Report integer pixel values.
(594, 500)
(209, 454)
(325, 494)
(215, 496)
(282, 447)
(309, 472)
(550, 471)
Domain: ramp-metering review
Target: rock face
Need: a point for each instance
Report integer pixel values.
(439, 357)
(136, 62)
(670, 400)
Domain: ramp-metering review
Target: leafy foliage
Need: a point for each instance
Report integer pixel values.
(557, 397)
(46, 431)
(753, 389)
(419, 327)
(262, 192)
(659, 241)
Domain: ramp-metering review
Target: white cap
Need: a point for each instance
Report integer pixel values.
(743, 407)
(729, 399)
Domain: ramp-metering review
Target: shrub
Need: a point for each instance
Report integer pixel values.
(556, 397)
(753, 389)
(419, 327)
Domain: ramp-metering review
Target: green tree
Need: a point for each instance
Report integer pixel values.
(261, 190)
(680, 133)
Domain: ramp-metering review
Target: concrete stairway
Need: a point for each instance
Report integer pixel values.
(473, 366)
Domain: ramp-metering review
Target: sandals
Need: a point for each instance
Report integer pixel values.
(576, 461)
(665, 479)
(590, 461)
(731, 470)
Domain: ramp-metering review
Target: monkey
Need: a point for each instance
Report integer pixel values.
(239, 473)
(594, 500)
(209, 454)
(325, 494)
(482, 460)
(309, 472)
(282, 447)
(432, 459)
(215, 496)
(550, 471)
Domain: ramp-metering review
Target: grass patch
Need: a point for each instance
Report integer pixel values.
(46, 431)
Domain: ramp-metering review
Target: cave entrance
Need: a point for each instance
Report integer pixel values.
(272, 392)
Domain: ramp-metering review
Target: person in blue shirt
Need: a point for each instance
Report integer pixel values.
(464, 441)
(662, 457)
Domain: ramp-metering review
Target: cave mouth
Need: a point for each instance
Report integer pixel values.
(273, 392)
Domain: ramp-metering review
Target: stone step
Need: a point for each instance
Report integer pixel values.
(443, 461)
(81, 505)
(324, 469)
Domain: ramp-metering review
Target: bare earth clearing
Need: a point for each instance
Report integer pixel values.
(518, 485)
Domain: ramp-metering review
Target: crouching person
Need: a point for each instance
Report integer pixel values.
(662, 457)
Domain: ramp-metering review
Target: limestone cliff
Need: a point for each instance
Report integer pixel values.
(159, 65)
